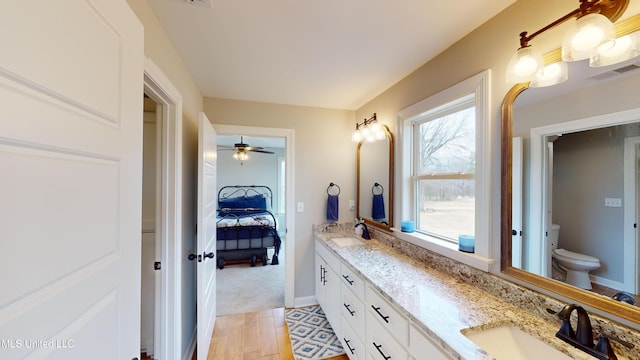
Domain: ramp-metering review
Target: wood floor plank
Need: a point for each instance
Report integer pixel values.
(267, 336)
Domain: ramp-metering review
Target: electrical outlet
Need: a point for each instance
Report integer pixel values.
(612, 202)
(352, 204)
(300, 207)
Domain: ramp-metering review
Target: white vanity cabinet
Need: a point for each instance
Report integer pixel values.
(368, 325)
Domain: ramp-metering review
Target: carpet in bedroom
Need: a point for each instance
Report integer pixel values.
(242, 288)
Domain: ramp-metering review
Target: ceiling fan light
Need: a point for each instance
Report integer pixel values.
(524, 65)
(585, 35)
(615, 51)
(551, 74)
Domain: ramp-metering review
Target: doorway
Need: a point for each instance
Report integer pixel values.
(286, 175)
(167, 227)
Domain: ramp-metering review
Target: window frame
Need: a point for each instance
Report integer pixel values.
(479, 86)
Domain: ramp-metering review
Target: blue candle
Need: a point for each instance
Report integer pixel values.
(466, 243)
(406, 226)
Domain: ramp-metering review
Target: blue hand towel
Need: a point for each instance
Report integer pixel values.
(332, 208)
(377, 211)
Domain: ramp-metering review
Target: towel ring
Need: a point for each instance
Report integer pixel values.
(373, 189)
(333, 185)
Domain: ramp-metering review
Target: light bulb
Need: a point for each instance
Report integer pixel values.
(616, 51)
(524, 65)
(551, 74)
(585, 36)
(356, 136)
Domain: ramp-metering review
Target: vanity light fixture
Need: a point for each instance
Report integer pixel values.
(591, 36)
(369, 130)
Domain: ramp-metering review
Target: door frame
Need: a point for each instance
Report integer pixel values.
(168, 320)
(537, 209)
(630, 203)
(289, 244)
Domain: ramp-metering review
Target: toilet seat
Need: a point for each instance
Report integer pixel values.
(576, 256)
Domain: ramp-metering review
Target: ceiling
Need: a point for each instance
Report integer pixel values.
(335, 54)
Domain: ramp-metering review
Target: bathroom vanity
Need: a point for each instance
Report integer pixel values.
(384, 304)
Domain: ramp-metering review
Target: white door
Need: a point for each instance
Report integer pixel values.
(516, 203)
(70, 179)
(207, 205)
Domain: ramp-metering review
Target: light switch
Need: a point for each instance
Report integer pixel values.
(612, 202)
(352, 204)
(300, 206)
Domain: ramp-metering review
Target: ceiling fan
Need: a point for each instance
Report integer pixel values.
(242, 150)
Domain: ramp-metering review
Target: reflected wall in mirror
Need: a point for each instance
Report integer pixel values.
(577, 169)
(375, 181)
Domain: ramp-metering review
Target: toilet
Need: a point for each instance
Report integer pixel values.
(576, 265)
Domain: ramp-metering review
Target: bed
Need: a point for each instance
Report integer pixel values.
(246, 226)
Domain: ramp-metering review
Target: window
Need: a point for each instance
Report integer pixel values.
(444, 168)
(445, 152)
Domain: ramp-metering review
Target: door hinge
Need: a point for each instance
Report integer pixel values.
(157, 265)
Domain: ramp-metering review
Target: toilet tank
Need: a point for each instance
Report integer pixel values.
(552, 238)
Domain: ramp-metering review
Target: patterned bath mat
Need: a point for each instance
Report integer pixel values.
(311, 334)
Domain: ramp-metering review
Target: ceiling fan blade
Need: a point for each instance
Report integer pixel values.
(261, 151)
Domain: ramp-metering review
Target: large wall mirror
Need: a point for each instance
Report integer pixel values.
(571, 180)
(374, 177)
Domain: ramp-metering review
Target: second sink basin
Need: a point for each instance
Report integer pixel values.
(509, 342)
(347, 241)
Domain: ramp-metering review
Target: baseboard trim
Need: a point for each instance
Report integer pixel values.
(305, 301)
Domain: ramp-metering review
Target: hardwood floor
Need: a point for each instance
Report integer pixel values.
(260, 335)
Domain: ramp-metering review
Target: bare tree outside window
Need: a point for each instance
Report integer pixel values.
(445, 176)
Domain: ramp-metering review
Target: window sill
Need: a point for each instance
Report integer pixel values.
(445, 248)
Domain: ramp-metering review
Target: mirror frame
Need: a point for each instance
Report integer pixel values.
(613, 307)
(390, 189)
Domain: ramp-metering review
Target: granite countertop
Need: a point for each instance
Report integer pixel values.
(436, 302)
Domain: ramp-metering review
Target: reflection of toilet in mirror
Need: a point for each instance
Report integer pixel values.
(574, 266)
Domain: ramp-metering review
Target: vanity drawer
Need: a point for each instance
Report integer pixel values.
(352, 281)
(353, 310)
(381, 345)
(387, 316)
(352, 344)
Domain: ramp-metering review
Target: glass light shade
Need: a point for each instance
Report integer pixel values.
(524, 65)
(551, 74)
(585, 35)
(356, 136)
(616, 51)
(243, 156)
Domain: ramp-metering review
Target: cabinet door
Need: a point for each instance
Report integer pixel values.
(321, 293)
(333, 299)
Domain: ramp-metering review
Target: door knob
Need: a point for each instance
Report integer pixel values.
(208, 255)
(192, 257)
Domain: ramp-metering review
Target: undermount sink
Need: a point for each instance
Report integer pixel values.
(347, 241)
(508, 341)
